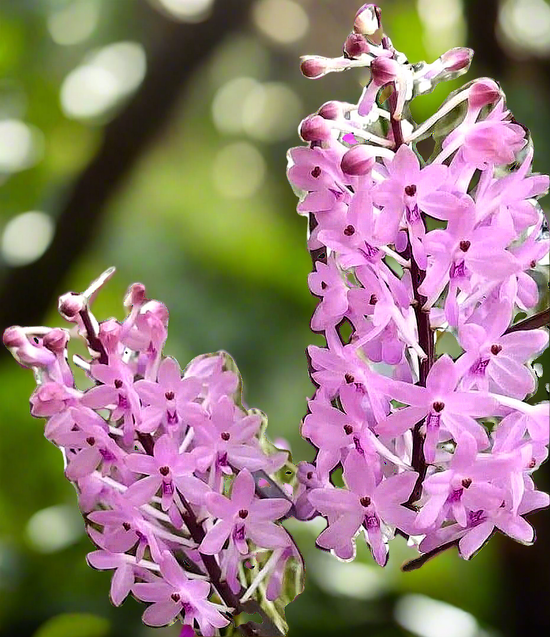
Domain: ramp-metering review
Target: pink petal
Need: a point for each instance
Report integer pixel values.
(474, 539)
(243, 489)
(215, 538)
(161, 613)
(83, 464)
(140, 463)
(121, 584)
(100, 396)
(268, 535)
(143, 490)
(169, 373)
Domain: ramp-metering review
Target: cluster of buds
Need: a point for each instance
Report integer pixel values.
(407, 251)
(179, 487)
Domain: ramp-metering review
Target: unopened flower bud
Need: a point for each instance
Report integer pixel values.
(135, 295)
(27, 352)
(457, 59)
(331, 110)
(14, 337)
(368, 20)
(483, 92)
(109, 334)
(384, 70)
(70, 305)
(356, 45)
(56, 340)
(313, 66)
(315, 129)
(357, 161)
(158, 310)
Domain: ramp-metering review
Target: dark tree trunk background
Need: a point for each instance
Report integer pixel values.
(174, 54)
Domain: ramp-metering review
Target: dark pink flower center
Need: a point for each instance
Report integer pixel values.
(349, 231)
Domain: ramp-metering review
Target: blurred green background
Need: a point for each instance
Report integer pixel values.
(151, 135)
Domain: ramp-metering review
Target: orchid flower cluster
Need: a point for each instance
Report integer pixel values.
(179, 487)
(406, 251)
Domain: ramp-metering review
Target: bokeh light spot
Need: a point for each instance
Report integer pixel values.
(428, 617)
(271, 111)
(353, 579)
(187, 10)
(74, 23)
(229, 102)
(108, 76)
(26, 237)
(53, 529)
(239, 170)
(444, 24)
(21, 146)
(526, 25)
(283, 21)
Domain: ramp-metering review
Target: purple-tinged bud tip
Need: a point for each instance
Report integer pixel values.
(56, 340)
(357, 161)
(483, 92)
(135, 295)
(457, 59)
(331, 110)
(368, 20)
(313, 66)
(14, 336)
(158, 310)
(384, 70)
(70, 305)
(356, 45)
(315, 129)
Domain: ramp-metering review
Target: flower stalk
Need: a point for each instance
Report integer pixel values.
(407, 249)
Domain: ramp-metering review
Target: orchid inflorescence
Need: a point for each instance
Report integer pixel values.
(180, 489)
(406, 251)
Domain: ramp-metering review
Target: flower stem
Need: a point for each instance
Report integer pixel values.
(413, 565)
(542, 319)
(267, 627)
